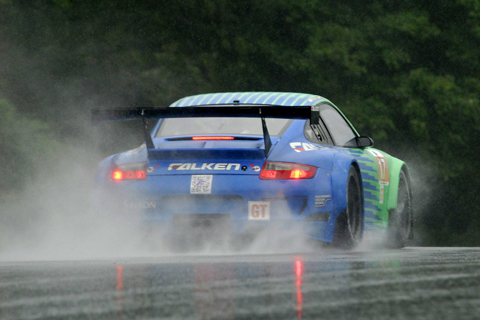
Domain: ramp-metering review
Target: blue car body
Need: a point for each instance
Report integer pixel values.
(221, 178)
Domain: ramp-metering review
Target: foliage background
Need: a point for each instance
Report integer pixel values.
(405, 73)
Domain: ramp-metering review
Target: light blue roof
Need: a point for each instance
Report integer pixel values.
(258, 98)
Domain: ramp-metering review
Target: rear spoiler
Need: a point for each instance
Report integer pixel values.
(236, 111)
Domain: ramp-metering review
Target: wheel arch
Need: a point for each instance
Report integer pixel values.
(341, 167)
(395, 167)
(103, 170)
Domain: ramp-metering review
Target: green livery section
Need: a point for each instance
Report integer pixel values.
(380, 177)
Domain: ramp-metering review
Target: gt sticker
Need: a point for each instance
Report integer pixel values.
(383, 179)
(201, 184)
(204, 166)
(302, 146)
(258, 210)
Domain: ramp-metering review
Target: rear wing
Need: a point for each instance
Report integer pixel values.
(234, 111)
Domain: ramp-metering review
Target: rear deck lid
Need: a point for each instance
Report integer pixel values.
(182, 155)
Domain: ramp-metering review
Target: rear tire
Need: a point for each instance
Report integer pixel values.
(349, 225)
(400, 219)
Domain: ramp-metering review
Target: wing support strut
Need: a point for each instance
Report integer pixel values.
(266, 136)
(248, 111)
(148, 137)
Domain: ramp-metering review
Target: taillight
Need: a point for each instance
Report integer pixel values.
(285, 171)
(130, 171)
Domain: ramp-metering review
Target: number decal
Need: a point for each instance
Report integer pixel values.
(383, 179)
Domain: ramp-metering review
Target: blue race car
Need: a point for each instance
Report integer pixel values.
(239, 162)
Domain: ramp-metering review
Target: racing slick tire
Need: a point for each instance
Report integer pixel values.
(349, 225)
(400, 220)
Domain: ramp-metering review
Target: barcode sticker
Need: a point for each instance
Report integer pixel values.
(201, 184)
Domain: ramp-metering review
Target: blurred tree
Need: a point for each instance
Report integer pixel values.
(26, 146)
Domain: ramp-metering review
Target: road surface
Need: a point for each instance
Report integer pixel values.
(412, 283)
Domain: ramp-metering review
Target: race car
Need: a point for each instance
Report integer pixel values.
(238, 162)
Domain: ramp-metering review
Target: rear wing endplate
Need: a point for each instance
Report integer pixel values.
(235, 111)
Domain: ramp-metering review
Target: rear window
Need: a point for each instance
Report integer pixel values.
(231, 126)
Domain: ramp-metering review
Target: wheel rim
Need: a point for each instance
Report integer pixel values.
(404, 205)
(354, 207)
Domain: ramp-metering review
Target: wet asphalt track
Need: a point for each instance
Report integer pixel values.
(413, 283)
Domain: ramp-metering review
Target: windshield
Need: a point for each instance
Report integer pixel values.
(231, 126)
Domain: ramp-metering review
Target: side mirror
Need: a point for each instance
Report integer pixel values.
(364, 141)
(359, 142)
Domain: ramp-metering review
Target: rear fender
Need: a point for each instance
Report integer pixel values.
(341, 167)
(395, 167)
(103, 171)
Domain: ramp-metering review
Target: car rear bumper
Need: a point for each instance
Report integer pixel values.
(164, 202)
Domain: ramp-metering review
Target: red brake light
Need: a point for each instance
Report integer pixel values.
(117, 175)
(286, 171)
(141, 174)
(298, 174)
(213, 138)
(131, 171)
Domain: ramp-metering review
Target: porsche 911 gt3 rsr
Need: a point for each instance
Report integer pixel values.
(246, 160)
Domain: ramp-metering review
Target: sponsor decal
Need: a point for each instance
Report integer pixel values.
(201, 184)
(321, 200)
(151, 169)
(383, 179)
(140, 204)
(258, 210)
(303, 146)
(204, 166)
(255, 168)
